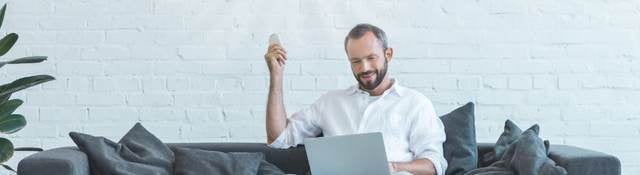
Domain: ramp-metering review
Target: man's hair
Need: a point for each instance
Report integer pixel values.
(359, 30)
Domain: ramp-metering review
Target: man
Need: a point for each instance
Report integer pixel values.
(413, 134)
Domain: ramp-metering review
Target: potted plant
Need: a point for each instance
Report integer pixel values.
(10, 122)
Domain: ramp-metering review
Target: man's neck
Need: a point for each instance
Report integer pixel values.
(386, 84)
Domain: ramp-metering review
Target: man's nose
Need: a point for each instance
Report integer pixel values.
(366, 66)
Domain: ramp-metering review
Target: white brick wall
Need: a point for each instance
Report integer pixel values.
(193, 70)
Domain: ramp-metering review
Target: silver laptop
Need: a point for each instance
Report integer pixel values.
(348, 154)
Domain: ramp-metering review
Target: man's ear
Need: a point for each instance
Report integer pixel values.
(388, 54)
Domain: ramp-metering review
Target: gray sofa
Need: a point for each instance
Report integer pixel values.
(71, 161)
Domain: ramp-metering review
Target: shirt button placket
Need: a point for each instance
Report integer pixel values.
(363, 107)
(365, 114)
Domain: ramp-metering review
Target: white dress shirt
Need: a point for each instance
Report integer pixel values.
(406, 119)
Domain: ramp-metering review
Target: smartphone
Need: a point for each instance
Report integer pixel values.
(274, 39)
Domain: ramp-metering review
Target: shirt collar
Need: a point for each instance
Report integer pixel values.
(396, 89)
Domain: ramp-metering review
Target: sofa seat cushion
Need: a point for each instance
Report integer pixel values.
(196, 161)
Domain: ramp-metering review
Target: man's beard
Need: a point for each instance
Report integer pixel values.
(379, 77)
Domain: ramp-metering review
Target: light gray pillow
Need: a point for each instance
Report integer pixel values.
(139, 152)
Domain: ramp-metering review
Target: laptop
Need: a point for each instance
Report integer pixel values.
(358, 154)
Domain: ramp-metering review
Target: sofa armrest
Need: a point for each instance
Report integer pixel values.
(58, 161)
(583, 161)
(577, 161)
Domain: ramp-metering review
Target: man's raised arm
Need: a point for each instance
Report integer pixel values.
(276, 114)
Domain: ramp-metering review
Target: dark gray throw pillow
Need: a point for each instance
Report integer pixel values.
(509, 135)
(528, 155)
(523, 153)
(196, 162)
(138, 152)
(460, 148)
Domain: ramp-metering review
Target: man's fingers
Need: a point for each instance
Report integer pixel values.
(278, 50)
(280, 63)
(281, 59)
(279, 47)
(276, 56)
(271, 46)
(282, 53)
(275, 47)
(276, 53)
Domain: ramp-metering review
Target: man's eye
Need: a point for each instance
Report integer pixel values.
(354, 62)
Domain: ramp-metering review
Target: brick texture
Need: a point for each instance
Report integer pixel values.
(193, 70)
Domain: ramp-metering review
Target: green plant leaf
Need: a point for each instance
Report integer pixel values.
(12, 123)
(7, 42)
(28, 149)
(23, 60)
(6, 149)
(30, 59)
(4, 7)
(4, 98)
(8, 167)
(24, 83)
(9, 107)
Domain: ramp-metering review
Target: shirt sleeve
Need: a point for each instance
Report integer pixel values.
(300, 125)
(427, 136)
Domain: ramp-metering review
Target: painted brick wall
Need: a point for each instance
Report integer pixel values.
(192, 71)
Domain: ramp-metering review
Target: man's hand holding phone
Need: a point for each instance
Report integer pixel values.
(276, 56)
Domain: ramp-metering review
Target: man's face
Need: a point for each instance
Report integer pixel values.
(368, 60)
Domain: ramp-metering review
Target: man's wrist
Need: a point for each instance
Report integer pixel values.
(395, 167)
(275, 80)
(277, 76)
(275, 83)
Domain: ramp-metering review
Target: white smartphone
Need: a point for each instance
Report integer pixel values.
(274, 39)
